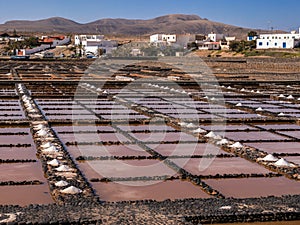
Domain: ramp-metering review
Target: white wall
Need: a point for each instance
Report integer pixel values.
(215, 37)
(275, 43)
(266, 41)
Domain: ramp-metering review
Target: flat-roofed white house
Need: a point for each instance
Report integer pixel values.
(163, 38)
(176, 40)
(283, 41)
(208, 45)
(94, 44)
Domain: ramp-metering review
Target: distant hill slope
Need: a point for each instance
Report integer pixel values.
(176, 23)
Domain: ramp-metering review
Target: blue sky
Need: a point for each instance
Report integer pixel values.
(264, 14)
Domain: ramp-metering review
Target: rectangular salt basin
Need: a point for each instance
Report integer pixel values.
(146, 127)
(158, 137)
(183, 149)
(67, 111)
(295, 134)
(18, 153)
(159, 191)
(227, 127)
(4, 129)
(190, 116)
(93, 137)
(277, 147)
(221, 110)
(279, 126)
(25, 195)
(213, 166)
(240, 115)
(294, 159)
(72, 117)
(108, 150)
(125, 168)
(21, 172)
(15, 139)
(113, 111)
(283, 110)
(262, 105)
(254, 135)
(83, 128)
(123, 117)
(255, 187)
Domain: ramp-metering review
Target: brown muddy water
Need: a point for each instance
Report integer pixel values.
(124, 191)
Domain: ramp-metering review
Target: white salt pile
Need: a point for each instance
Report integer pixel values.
(64, 168)
(61, 183)
(71, 190)
(236, 145)
(54, 162)
(199, 131)
(269, 158)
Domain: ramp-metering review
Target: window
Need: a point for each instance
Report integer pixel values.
(275, 44)
(260, 43)
(267, 43)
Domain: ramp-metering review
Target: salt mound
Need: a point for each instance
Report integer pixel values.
(71, 190)
(239, 104)
(210, 135)
(64, 168)
(282, 163)
(223, 142)
(259, 109)
(199, 131)
(236, 145)
(183, 124)
(270, 158)
(50, 149)
(290, 97)
(61, 183)
(53, 162)
(46, 145)
(191, 125)
(42, 132)
(281, 96)
(281, 114)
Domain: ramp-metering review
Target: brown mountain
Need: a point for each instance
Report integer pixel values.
(176, 23)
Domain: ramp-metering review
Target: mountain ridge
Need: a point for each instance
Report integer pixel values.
(172, 23)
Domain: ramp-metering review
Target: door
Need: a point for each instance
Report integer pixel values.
(284, 44)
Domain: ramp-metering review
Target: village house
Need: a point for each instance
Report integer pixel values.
(94, 44)
(283, 41)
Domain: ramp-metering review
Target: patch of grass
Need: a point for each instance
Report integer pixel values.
(273, 53)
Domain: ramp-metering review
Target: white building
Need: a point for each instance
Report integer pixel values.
(288, 41)
(163, 38)
(208, 45)
(176, 40)
(95, 44)
(215, 37)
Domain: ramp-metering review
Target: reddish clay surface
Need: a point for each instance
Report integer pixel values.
(254, 135)
(21, 172)
(183, 149)
(25, 195)
(255, 187)
(275, 147)
(215, 166)
(158, 191)
(125, 168)
(108, 150)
